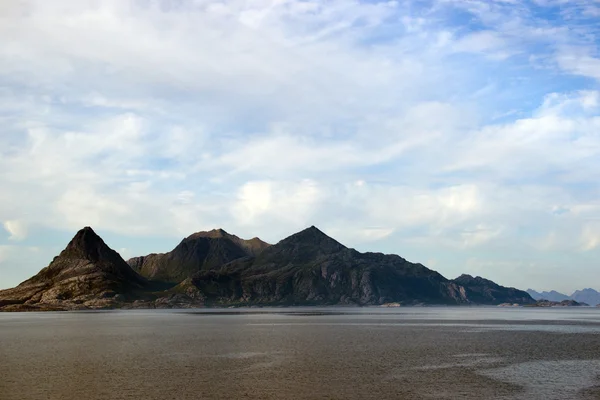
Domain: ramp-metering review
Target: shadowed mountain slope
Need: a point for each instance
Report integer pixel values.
(484, 291)
(200, 251)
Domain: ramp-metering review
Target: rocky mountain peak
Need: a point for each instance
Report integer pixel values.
(212, 234)
(310, 243)
(202, 250)
(251, 247)
(313, 236)
(86, 274)
(86, 244)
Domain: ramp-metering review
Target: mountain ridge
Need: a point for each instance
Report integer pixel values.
(310, 267)
(215, 268)
(485, 291)
(198, 251)
(588, 295)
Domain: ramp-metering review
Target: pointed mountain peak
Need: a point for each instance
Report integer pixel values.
(314, 230)
(86, 244)
(312, 241)
(314, 235)
(311, 230)
(86, 232)
(87, 257)
(84, 238)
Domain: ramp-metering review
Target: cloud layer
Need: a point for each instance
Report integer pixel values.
(464, 135)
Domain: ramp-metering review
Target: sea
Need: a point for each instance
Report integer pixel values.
(302, 353)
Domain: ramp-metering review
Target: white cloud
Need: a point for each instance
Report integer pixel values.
(285, 203)
(559, 135)
(489, 43)
(254, 200)
(376, 233)
(17, 229)
(409, 207)
(479, 234)
(390, 124)
(590, 235)
(579, 63)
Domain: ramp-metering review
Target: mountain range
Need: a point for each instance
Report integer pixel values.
(216, 268)
(588, 296)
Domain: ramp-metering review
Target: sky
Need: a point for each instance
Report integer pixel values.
(462, 134)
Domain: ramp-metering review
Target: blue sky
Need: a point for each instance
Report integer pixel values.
(464, 135)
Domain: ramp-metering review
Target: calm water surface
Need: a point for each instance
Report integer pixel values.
(302, 353)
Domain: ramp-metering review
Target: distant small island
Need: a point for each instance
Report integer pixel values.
(563, 303)
(218, 269)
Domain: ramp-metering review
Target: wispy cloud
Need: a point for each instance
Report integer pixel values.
(17, 229)
(443, 130)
